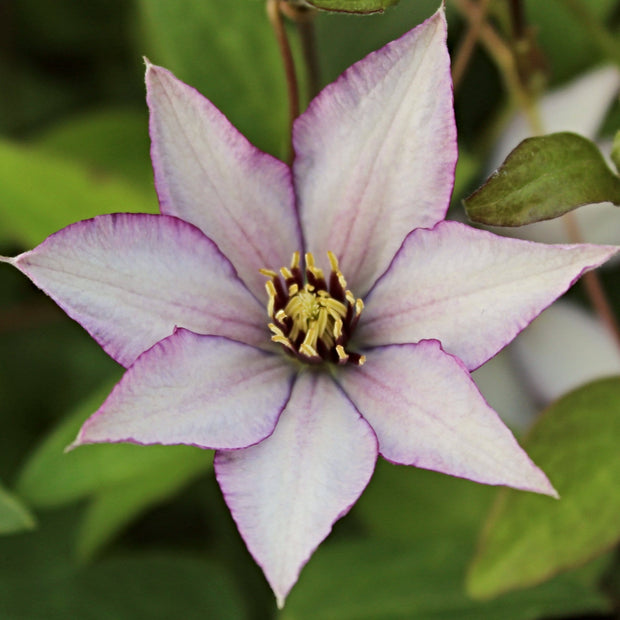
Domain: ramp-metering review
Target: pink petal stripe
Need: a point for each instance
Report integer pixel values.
(471, 290)
(129, 279)
(375, 153)
(203, 391)
(427, 412)
(208, 174)
(286, 492)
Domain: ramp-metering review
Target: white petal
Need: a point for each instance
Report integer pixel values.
(130, 279)
(376, 151)
(471, 290)
(208, 174)
(426, 411)
(204, 391)
(286, 492)
(564, 348)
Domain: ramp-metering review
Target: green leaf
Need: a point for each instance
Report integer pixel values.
(412, 505)
(615, 151)
(14, 516)
(111, 510)
(113, 140)
(40, 193)
(352, 6)
(229, 53)
(38, 579)
(556, 24)
(528, 537)
(543, 178)
(388, 580)
(52, 477)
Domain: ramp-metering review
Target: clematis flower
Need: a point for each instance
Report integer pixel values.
(301, 321)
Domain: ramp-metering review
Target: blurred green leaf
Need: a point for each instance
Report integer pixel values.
(39, 580)
(229, 53)
(114, 508)
(352, 6)
(14, 516)
(52, 477)
(113, 140)
(379, 579)
(543, 178)
(529, 537)
(41, 193)
(413, 505)
(555, 25)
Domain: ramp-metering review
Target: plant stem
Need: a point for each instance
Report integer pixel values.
(592, 283)
(501, 53)
(304, 18)
(517, 18)
(468, 44)
(275, 17)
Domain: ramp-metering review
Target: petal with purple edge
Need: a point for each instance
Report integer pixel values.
(205, 391)
(129, 279)
(207, 173)
(376, 151)
(427, 412)
(286, 492)
(470, 289)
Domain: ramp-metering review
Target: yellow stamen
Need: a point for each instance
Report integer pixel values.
(279, 337)
(269, 273)
(311, 319)
(342, 354)
(271, 292)
(286, 273)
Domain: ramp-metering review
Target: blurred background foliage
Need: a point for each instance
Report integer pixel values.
(120, 531)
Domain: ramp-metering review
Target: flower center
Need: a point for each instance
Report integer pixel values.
(313, 320)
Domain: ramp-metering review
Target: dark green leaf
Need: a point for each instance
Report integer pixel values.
(14, 516)
(52, 477)
(388, 580)
(352, 6)
(555, 24)
(38, 579)
(114, 508)
(543, 178)
(413, 505)
(529, 537)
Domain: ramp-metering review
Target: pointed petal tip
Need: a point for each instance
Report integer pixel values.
(534, 481)
(544, 487)
(76, 443)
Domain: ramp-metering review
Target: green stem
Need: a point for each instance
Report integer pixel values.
(304, 19)
(275, 17)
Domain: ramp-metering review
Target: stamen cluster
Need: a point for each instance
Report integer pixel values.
(313, 319)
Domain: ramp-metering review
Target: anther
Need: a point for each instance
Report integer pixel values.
(314, 321)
